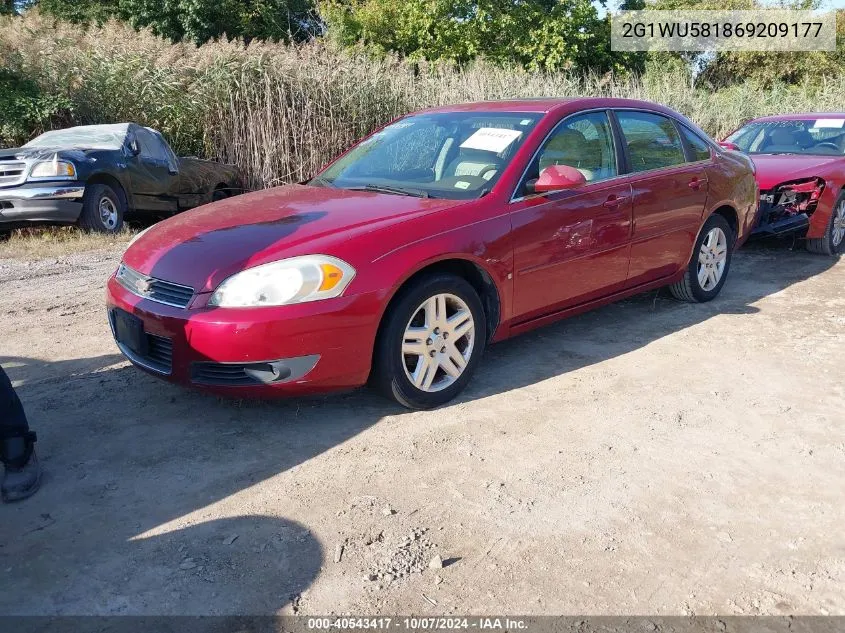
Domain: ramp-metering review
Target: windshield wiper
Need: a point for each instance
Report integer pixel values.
(321, 182)
(417, 193)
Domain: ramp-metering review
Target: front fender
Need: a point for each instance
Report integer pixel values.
(821, 216)
(485, 244)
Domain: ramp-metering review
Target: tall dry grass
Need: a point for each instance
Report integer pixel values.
(281, 112)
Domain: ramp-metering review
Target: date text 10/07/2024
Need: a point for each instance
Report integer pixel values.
(418, 623)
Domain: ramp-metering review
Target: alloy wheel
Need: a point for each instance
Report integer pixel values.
(839, 224)
(438, 342)
(712, 258)
(108, 213)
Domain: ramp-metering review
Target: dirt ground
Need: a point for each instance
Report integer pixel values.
(651, 457)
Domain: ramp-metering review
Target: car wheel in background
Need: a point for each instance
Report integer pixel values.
(102, 209)
(834, 236)
(430, 342)
(219, 194)
(711, 260)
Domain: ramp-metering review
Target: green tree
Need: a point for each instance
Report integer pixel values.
(537, 34)
(81, 11)
(765, 68)
(197, 20)
(25, 110)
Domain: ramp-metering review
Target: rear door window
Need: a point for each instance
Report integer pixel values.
(652, 141)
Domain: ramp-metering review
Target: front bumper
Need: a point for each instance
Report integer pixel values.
(41, 202)
(312, 347)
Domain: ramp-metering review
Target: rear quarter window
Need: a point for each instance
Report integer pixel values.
(699, 148)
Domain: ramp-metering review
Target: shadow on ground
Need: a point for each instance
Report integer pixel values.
(130, 458)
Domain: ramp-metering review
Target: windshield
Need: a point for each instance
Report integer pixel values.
(83, 137)
(457, 155)
(825, 137)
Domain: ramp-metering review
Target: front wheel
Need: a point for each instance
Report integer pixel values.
(431, 342)
(102, 210)
(834, 236)
(711, 260)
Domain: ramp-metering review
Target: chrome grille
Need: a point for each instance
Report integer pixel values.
(12, 173)
(154, 289)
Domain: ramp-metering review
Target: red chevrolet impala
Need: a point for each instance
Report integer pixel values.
(440, 233)
(800, 160)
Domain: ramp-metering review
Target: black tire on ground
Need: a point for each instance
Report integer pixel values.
(827, 244)
(389, 376)
(103, 209)
(219, 194)
(690, 288)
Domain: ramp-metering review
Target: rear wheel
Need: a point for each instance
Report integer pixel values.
(102, 209)
(834, 236)
(711, 260)
(431, 342)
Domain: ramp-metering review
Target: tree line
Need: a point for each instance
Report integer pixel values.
(538, 35)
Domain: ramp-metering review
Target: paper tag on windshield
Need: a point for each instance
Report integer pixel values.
(491, 139)
(837, 123)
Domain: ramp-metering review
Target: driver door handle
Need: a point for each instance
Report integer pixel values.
(615, 201)
(695, 183)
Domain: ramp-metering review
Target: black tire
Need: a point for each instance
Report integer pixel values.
(826, 244)
(389, 364)
(219, 194)
(690, 288)
(92, 219)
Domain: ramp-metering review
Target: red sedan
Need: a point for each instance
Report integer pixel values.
(800, 160)
(440, 233)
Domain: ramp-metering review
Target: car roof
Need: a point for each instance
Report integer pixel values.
(801, 116)
(115, 128)
(542, 105)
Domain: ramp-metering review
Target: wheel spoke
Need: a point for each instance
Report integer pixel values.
(459, 324)
(424, 373)
(449, 366)
(712, 276)
(456, 357)
(440, 302)
(414, 341)
(702, 276)
(430, 308)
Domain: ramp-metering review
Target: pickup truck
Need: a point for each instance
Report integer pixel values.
(94, 175)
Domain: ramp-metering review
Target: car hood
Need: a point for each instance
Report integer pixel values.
(201, 247)
(41, 153)
(773, 169)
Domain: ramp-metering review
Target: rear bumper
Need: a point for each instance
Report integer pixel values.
(38, 202)
(313, 347)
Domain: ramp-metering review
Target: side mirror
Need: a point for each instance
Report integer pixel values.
(133, 148)
(556, 178)
(729, 145)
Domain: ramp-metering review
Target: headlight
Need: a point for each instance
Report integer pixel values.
(294, 280)
(53, 169)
